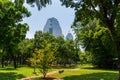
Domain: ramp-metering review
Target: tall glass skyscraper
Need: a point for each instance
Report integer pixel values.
(52, 26)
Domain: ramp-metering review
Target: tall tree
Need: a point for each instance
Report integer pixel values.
(98, 41)
(25, 49)
(107, 11)
(41, 37)
(12, 31)
(66, 53)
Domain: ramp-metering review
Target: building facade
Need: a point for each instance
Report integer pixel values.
(69, 36)
(52, 26)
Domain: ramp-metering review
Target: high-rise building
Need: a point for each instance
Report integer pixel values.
(69, 36)
(52, 26)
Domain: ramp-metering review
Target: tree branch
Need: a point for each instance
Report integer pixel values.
(93, 7)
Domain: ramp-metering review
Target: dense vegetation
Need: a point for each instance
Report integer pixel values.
(11, 30)
(107, 12)
(96, 26)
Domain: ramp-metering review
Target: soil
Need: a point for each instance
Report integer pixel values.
(48, 77)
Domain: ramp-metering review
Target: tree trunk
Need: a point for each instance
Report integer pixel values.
(34, 70)
(14, 60)
(2, 62)
(118, 52)
(44, 75)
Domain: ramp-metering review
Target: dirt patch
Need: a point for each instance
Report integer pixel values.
(48, 77)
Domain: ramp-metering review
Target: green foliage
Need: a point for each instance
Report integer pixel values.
(45, 48)
(39, 3)
(40, 38)
(46, 57)
(66, 53)
(25, 46)
(106, 37)
(85, 57)
(99, 41)
(43, 58)
(12, 31)
(25, 49)
(107, 11)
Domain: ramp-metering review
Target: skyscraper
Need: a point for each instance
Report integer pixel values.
(52, 26)
(69, 36)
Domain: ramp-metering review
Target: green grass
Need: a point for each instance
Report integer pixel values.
(9, 73)
(88, 73)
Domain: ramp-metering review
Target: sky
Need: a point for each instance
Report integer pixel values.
(37, 21)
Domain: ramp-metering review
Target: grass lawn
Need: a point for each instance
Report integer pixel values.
(85, 73)
(9, 73)
(75, 73)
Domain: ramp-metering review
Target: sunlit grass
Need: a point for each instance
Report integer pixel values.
(87, 73)
(9, 73)
(84, 72)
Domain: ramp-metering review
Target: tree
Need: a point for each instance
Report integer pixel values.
(98, 41)
(38, 39)
(46, 47)
(12, 31)
(43, 57)
(34, 60)
(85, 57)
(66, 53)
(25, 49)
(107, 11)
(70, 52)
(46, 58)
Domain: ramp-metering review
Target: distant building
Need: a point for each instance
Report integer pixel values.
(69, 36)
(52, 26)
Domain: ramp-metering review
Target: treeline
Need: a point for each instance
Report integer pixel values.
(64, 54)
(15, 49)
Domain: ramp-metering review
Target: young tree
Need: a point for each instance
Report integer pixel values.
(45, 46)
(43, 57)
(66, 53)
(46, 58)
(35, 59)
(41, 37)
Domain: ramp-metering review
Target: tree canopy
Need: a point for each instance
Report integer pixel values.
(12, 31)
(106, 11)
(39, 3)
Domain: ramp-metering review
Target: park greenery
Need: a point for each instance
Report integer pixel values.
(84, 72)
(96, 27)
(107, 12)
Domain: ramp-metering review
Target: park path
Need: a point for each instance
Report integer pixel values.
(48, 75)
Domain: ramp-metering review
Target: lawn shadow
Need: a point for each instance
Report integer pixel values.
(65, 67)
(96, 68)
(7, 68)
(10, 76)
(94, 76)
